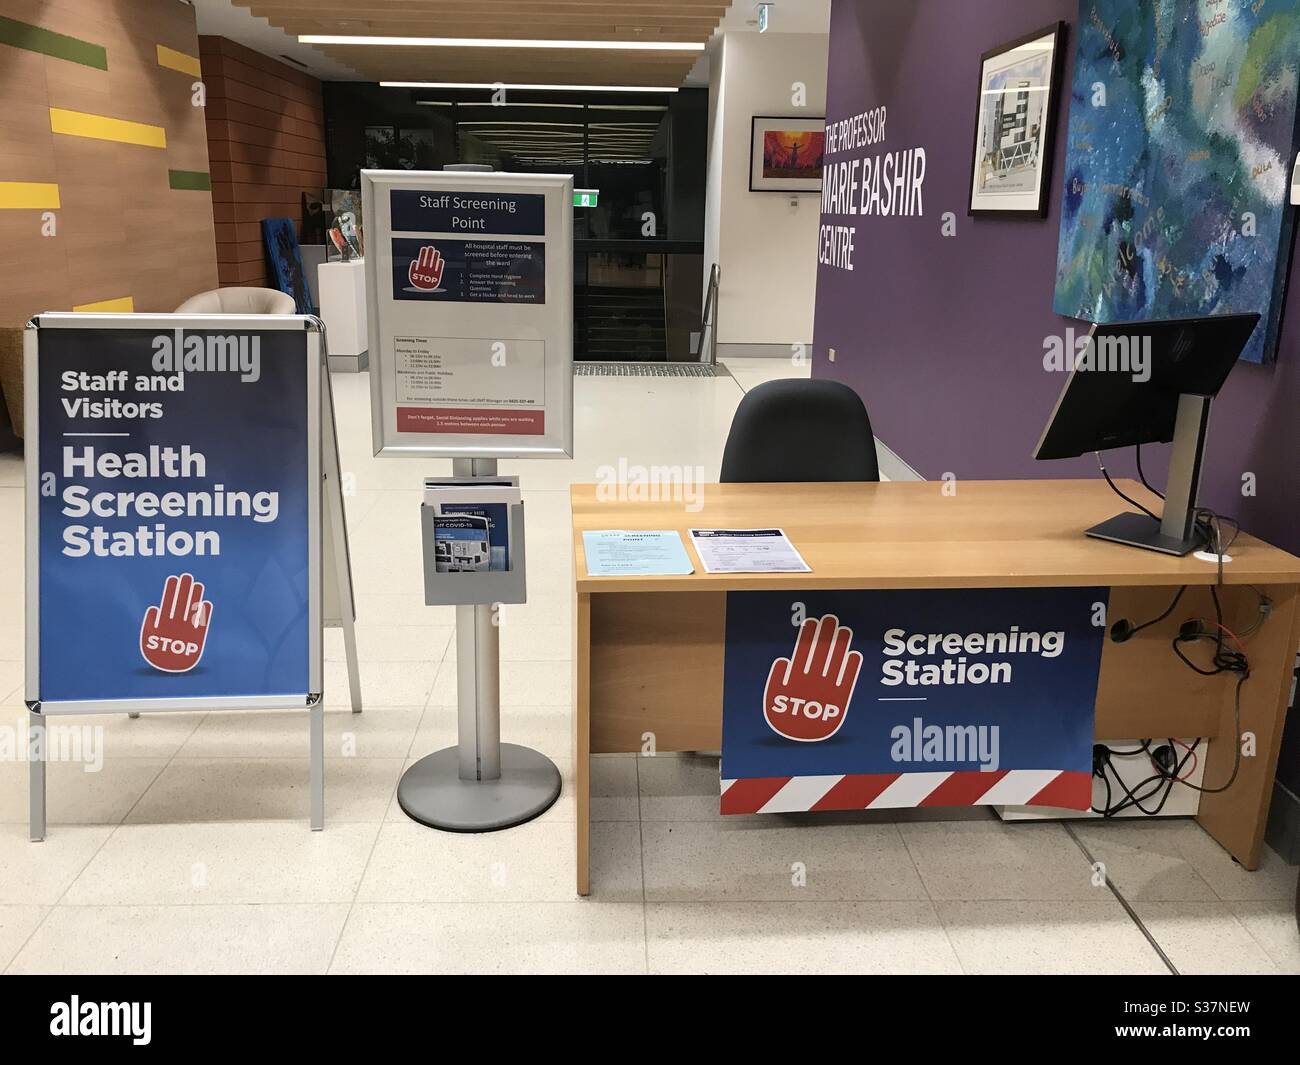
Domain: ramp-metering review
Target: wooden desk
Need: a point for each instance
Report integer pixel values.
(649, 650)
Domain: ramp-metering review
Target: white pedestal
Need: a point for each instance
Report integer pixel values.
(342, 288)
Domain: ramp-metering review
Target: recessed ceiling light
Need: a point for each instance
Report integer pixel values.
(501, 42)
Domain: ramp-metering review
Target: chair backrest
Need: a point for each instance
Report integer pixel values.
(800, 430)
(239, 301)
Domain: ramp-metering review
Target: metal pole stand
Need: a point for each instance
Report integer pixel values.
(481, 784)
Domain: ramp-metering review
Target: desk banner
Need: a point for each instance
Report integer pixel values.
(875, 699)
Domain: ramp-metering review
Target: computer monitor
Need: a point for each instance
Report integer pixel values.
(1147, 383)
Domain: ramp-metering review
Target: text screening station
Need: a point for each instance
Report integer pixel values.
(174, 357)
(449, 201)
(954, 669)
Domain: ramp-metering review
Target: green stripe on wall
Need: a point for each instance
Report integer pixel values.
(47, 42)
(190, 180)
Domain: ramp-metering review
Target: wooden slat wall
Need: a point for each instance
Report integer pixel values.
(121, 229)
(266, 143)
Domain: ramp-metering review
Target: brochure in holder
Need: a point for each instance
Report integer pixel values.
(472, 530)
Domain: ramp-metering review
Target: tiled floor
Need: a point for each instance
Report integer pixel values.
(189, 851)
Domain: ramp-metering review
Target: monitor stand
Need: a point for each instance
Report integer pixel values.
(1176, 532)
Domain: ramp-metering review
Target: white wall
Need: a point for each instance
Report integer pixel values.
(766, 248)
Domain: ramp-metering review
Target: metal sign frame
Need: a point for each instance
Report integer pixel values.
(554, 323)
(317, 434)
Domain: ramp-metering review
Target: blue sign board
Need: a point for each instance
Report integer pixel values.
(870, 686)
(174, 513)
(467, 211)
(440, 269)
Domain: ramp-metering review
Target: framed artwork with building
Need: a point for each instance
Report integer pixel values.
(1015, 125)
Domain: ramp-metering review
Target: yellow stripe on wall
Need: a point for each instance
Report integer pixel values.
(98, 127)
(28, 195)
(124, 304)
(174, 60)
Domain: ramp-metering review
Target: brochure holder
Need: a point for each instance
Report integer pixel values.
(481, 784)
(474, 587)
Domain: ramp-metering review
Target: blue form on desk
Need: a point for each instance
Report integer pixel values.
(635, 553)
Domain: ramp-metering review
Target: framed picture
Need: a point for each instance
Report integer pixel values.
(1015, 125)
(785, 154)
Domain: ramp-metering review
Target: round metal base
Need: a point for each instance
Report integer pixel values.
(432, 792)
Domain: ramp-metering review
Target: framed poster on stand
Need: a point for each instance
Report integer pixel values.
(469, 292)
(469, 282)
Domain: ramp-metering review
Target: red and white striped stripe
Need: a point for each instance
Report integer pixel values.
(878, 791)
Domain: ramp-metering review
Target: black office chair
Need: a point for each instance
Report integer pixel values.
(800, 430)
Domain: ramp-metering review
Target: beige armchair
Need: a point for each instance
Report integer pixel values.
(239, 301)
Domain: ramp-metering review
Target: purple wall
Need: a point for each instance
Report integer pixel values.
(943, 336)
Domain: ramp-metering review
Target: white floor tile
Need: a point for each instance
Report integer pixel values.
(1143, 860)
(158, 735)
(12, 638)
(380, 732)
(724, 860)
(679, 787)
(491, 937)
(1204, 937)
(76, 797)
(17, 923)
(831, 938)
(266, 789)
(392, 643)
(1273, 880)
(184, 940)
(989, 860)
(1273, 926)
(251, 862)
(42, 872)
(401, 608)
(382, 684)
(1086, 937)
(533, 862)
(522, 684)
(11, 688)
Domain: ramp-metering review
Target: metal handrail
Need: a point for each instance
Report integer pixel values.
(708, 320)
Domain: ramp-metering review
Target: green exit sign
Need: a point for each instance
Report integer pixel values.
(585, 197)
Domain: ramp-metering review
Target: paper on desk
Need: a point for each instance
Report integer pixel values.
(747, 551)
(635, 553)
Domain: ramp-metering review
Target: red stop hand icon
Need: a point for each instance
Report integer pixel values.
(425, 272)
(173, 632)
(807, 695)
